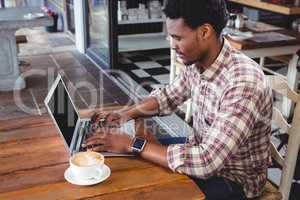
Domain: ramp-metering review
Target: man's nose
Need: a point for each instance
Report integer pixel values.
(174, 44)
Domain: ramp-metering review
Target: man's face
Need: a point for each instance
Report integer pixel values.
(187, 42)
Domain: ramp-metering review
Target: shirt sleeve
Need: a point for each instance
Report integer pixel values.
(173, 94)
(238, 110)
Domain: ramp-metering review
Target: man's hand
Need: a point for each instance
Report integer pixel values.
(108, 119)
(114, 141)
(108, 140)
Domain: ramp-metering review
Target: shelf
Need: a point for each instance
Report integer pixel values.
(282, 9)
(145, 21)
(140, 42)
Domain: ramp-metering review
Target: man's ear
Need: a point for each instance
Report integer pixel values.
(205, 31)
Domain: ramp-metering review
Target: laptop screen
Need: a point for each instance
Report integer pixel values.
(63, 112)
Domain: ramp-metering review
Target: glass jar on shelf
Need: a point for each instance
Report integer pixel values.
(143, 12)
(155, 10)
(122, 11)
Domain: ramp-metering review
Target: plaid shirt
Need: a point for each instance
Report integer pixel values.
(232, 111)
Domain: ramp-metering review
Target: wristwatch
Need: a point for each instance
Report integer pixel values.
(138, 145)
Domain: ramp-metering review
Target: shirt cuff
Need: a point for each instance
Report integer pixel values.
(175, 156)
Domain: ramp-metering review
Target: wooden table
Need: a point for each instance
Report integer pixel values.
(282, 9)
(33, 160)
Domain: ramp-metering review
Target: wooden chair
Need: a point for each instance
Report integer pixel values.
(285, 59)
(287, 161)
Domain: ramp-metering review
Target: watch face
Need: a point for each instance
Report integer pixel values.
(138, 143)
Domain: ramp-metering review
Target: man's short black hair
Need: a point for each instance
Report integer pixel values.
(198, 12)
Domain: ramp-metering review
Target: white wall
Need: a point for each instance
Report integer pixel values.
(80, 33)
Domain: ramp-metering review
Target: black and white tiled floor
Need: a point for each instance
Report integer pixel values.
(152, 69)
(149, 68)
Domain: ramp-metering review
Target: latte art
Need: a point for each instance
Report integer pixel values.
(85, 159)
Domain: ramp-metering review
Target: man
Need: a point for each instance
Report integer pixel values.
(228, 152)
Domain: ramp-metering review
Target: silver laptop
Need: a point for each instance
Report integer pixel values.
(72, 128)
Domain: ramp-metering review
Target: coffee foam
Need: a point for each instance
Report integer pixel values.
(86, 159)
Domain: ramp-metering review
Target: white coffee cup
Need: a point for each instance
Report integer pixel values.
(86, 165)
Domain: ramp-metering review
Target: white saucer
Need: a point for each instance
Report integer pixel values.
(72, 179)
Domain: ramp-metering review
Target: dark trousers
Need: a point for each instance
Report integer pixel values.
(215, 188)
(218, 188)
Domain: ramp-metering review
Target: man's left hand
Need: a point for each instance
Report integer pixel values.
(109, 141)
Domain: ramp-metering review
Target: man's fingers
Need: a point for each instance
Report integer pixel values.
(99, 129)
(94, 117)
(93, 142)
(106, 119)
(114, 130)
(114, 124)
(98, 116)
(94, 136)
(99, 148)
(113, 117)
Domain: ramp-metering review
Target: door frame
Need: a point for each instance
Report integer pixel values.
(112, 31)
(66, 16)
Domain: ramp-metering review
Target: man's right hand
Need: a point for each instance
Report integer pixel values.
(109, 119)
(148, 107)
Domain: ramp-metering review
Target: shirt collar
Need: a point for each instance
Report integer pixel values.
(216, 67)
